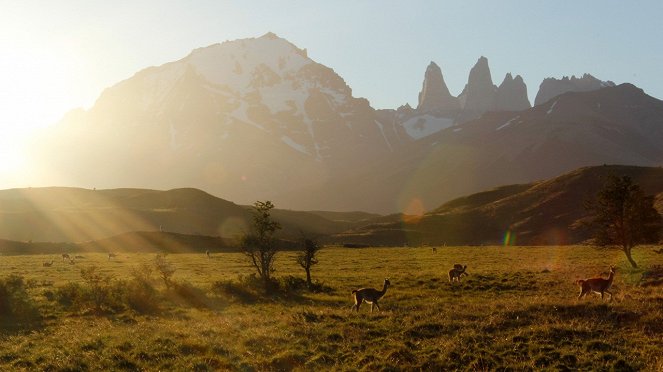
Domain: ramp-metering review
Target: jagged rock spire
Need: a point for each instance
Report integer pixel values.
(512, 94)
(479, 93)
(434, 95)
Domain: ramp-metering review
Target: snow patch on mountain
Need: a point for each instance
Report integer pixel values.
(421, 126)
(296, 146)
(550, 110)
(507, 123)
(384, 136)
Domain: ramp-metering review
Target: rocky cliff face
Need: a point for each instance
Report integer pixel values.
(479, 93)
(434, 95)
(551, 87)
(512, 94)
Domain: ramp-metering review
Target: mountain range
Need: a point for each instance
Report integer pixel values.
(257, 119)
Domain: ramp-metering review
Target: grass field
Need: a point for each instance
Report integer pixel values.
(517, 310)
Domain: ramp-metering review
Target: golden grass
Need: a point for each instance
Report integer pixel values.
(516, 310)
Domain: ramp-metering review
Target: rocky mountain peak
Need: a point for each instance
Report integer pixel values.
(434, 95)
(512, 94)
(551, 87)
(479, 93)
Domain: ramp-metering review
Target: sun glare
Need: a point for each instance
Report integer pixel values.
(12, 156)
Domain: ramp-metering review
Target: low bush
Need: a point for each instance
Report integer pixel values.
(16, 306)
(190, 294)
(70, 295)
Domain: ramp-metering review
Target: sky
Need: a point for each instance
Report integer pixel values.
(59, 55)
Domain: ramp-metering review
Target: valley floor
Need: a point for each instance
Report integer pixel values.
(517, 310)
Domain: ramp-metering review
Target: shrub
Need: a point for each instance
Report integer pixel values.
(137, 295)
(292, 284)
(139, 292)
(70, 295)
(16, 305)
(232, 289)
(191, 294)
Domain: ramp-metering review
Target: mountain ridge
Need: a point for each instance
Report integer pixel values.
(229, 120)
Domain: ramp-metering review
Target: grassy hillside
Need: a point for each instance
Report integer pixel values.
(540, 213)
(516, 310)
(61, 214)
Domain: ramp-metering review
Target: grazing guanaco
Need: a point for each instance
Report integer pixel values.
(597, 285)
(457, 272)
(434, 249)
(65, 256)
(48, 264)
(659, 251)
(111, 255)
(370, 295)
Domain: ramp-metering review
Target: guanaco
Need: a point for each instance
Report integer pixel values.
(457, 272)
(48, 264)
(597, 285)
(370, 295)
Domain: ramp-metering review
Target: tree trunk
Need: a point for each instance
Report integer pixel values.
(308, 278)
(627, 251)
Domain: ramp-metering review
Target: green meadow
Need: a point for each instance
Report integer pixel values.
(516, 310)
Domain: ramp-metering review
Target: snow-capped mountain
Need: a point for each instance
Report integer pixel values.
(244, 119)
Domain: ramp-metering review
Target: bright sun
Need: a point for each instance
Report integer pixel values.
(34, 95)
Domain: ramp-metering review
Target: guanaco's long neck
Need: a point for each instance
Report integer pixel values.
(384, 289)
(610, 278)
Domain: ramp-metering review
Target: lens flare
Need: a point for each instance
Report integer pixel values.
(509, 238)
(414, 211)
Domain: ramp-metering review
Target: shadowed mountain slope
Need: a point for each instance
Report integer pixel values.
(60, 214)
(540, 213)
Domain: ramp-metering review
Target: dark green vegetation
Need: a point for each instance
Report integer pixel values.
(548, 212)
(259, 245)
(622, 215)
(516, 310)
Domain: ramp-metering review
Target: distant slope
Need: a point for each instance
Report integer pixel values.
(614, 125)
(539, 213)
(61, 214)
(158, 242)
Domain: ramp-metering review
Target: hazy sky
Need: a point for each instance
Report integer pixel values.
(58, 55)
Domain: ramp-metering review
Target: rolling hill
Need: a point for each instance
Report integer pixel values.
(61, 214)
(539, 213)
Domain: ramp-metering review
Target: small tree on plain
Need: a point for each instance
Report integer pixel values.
(622, 215)
(165, 270)
(307, 258)
(259, 245)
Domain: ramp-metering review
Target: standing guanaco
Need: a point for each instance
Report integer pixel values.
(370, 295)
(457, 272)
(597, 285)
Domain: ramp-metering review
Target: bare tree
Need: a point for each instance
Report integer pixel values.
(165, 270)
(259, 245)
(307, 258)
